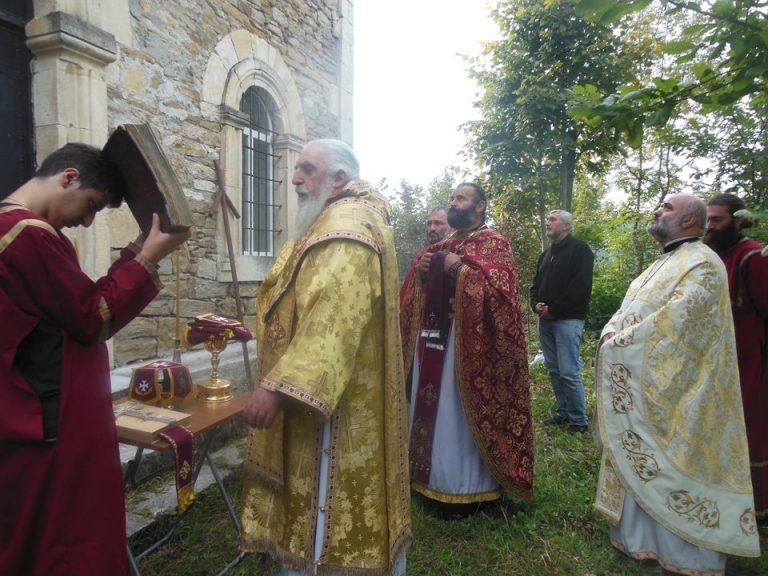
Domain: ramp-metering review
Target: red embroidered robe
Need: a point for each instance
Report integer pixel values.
(491, 359)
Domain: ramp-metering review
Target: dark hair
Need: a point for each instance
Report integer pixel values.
(479, 195)
(96, 170)
(730, 201)
(479, 192)
(733, 203)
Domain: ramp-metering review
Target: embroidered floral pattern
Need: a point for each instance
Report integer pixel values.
(748, 522)
(491, 362)
(644, 464)
(621, 397)
(702, 510)
(328, 339)
(429, 393)
(626, 335)
(681, 451)
(275, 332)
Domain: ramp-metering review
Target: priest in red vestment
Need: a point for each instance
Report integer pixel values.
(748, 286)
(471, 437)
(61, 495)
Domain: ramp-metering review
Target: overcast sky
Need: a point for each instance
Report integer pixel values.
(412, 89)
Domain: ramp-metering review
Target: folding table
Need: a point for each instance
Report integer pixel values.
(206, 419)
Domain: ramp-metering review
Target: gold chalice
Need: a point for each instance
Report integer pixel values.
(215, 388)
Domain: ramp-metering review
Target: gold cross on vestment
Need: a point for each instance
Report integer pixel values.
(318, 387)
(356, 217)
(304, 455)
(267, 508)
(352, 215)
(351, 428)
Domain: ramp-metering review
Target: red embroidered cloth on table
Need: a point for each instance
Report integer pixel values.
(204, 327)
(181, 439)
(149, 382)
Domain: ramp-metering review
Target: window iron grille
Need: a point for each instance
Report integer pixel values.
(259, 184)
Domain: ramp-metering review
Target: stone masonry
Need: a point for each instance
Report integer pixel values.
(182, 66)
(158, 79)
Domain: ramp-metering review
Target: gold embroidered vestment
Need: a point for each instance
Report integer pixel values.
(669, 407)
(328, 339)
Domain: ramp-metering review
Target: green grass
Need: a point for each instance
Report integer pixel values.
(555, 533)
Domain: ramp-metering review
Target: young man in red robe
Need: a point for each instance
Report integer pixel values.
(61, 495)
(748, 286)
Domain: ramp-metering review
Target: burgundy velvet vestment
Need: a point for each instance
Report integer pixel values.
(61, 499)
(748, 286)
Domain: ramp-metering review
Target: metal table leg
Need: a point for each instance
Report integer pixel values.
(129, 478)
(132, 563)
(204, 456)
(224, 494)
(232, 564)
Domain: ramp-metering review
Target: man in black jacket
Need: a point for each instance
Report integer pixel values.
(560, 297)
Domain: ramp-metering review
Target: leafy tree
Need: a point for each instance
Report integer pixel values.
(737, 143)
(408, 219)
(622, 249)
(525, 246)
(526, 143)
(726, 51)
(696, 118)
(410, 208)
(672, 147)
(643, 177)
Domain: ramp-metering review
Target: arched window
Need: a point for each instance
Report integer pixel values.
(250, 88)
(258, 192)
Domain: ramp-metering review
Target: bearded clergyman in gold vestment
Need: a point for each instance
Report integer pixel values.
(675, 481)
(326, 487)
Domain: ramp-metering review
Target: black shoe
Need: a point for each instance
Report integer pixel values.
(555, 420)
(446, 511)
(578, 428)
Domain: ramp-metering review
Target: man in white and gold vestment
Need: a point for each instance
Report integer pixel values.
(674, 481)
(326, 487)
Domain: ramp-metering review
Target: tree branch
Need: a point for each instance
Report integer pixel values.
(698, 10)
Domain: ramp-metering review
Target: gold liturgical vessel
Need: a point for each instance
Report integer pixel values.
(213, 332)
(152, 187)
(215, 388)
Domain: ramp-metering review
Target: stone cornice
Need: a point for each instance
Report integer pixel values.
(233, 117)
(290, 141)
(63, 31)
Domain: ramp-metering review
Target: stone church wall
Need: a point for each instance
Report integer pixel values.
(158, 78)
(167, 63)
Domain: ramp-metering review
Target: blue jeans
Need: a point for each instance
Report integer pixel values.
(560, 342)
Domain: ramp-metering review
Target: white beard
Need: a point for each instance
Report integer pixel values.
(310, 208)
